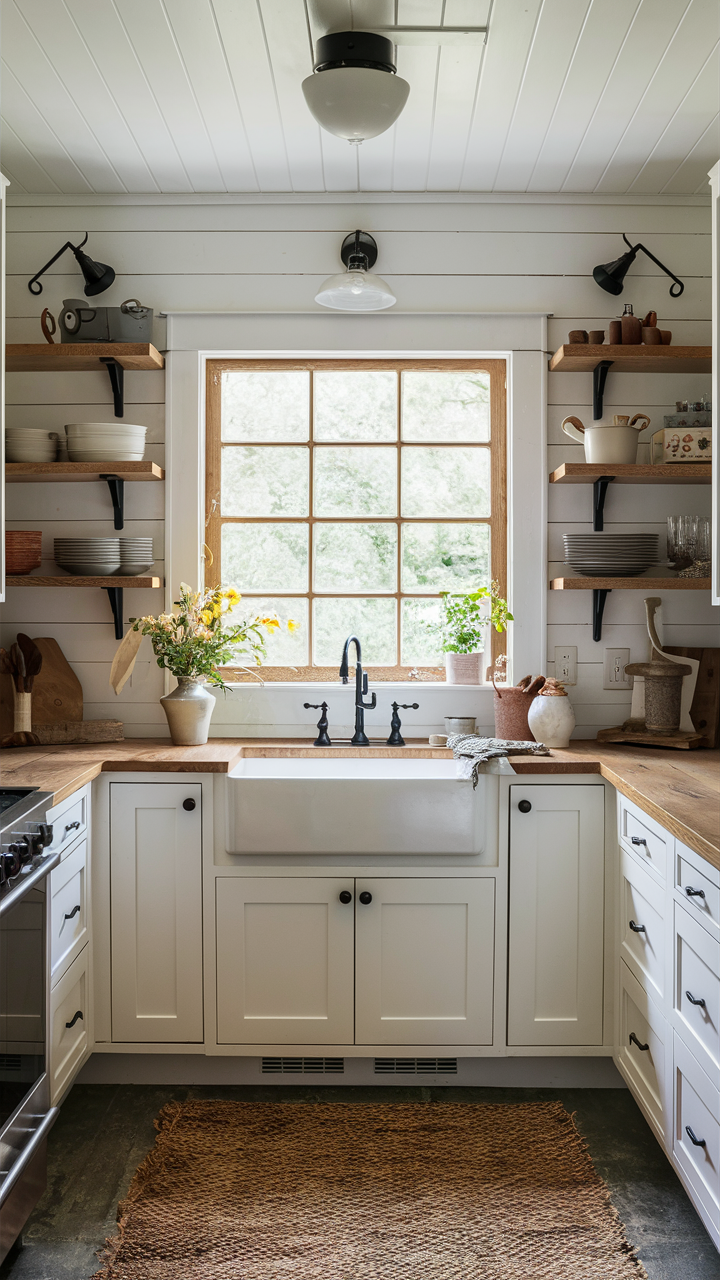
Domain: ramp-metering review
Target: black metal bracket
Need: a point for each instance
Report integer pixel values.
(600, 487)
(117, 382)
(600, 373)
(116, 485)
(600, 595)
(115, 596)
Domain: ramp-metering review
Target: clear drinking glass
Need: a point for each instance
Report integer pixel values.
(702, 542)
(688, 536)
(673, 537)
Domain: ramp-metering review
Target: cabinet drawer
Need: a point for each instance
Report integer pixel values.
(69, 1033)
(69, 819)
(68, 910)
(643, 927)
(698, 885)
(696, 989)
(697, 1106)
(642, 1048)
(644, 837)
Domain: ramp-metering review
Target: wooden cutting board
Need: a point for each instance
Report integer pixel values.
(705, 709)
(57, 692)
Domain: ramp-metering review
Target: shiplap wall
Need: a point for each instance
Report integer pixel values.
(477, 254)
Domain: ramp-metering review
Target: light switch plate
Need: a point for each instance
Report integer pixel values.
(566, 663)
(614, 663)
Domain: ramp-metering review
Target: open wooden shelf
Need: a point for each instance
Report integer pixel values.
(79, 357)
(44, 472)
(633, 473)
(630, 584)
(582, 357)
(68, 580)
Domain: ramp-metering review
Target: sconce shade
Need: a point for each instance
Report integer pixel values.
(98, 275)
(356, 291)
(611, 275)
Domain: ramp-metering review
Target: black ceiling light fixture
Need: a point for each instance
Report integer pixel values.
(98, 275)
(611, 275)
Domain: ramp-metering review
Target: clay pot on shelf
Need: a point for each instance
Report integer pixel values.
(666, 337)
(651, 336)
(596, 337)
(631, 327)
(615, 333)
(577, 336)
(511, 709)
(22, 550)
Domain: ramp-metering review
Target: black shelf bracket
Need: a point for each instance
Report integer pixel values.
(600, 488)
(600, 373)
(117, 382)
(600, 595)
(115, 596)
(116, 485)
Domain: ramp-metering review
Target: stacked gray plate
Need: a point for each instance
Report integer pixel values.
(610, 555)
(88, 557)
(136, 556)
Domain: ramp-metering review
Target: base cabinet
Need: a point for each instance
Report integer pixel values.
(70, 1017)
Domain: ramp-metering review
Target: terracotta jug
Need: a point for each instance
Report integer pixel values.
(512, 706)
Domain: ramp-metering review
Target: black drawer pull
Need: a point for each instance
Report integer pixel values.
(365, 897)
(189, 804)
(634, 1040)
(694, 893)
(692, 999)
(697, 1142)
(72, 826)
(345, 896)
(638, 840)
(524, 806)
(637, 928)
(69, 915)
(74, 1019)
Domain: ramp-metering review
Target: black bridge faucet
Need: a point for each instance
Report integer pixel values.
(359, 738)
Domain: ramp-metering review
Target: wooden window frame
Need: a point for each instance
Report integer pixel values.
(497, 520)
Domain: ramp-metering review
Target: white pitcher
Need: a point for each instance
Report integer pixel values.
(608, 443)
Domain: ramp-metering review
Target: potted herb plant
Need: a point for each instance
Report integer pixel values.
(192, 644)
(461, 630)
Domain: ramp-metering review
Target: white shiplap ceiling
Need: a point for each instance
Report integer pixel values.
(115, 96)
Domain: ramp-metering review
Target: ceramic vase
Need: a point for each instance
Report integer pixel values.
(463, 668)
(188, 709)
(551, 720)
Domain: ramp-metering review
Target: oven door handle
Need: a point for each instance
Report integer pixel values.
(17, 1169)
(28, 882)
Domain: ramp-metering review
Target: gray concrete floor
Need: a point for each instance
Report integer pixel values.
(104, 1131)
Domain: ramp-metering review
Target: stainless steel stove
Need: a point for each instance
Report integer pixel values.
(25, 1112)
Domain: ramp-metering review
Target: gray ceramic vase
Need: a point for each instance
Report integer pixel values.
(188, 709)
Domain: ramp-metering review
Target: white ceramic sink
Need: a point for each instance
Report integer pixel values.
(326, 805)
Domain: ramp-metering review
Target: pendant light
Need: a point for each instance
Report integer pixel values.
(357, 289)
(98, 275)
(354, 91)
(611, 275)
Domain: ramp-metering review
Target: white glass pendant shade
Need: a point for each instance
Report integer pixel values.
(356, 291)
(355, 102)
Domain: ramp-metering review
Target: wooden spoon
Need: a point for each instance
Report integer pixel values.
(33, 659)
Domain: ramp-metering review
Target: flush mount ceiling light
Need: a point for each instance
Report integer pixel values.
(611, 275)
(356, 289)
(354, 91)
(98, 275)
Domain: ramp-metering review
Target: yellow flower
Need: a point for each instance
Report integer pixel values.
(232, 596)
(292, 625)
(272, 623)
(207, 616)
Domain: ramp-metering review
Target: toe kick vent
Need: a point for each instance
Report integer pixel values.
(10, 1062)
(303, 1066)
(416, 1066)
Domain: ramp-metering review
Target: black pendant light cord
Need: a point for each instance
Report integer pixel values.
(680, 286)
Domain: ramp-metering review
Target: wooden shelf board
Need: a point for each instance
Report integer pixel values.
(44, 472)
(630, 584)
(633, 473)
(79, 357)
(68, 580)
(581, 357)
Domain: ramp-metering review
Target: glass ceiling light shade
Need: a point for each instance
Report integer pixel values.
(357, 289)
(611, 275)
(354, 92)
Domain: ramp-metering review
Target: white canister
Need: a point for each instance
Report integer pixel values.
(608, 443)
(551, 718)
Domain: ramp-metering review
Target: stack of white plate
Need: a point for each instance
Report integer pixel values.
(88, 557)
(30, 444)
(105, 442)
(610, 555)
(136, 556)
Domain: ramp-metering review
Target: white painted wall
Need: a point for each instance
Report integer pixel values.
(442, 255)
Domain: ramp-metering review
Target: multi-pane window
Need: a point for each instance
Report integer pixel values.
(348, 494)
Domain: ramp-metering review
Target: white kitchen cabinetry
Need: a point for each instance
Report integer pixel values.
(70, 1033)
(70, 1019)
(156, 912)
(557, 859)
(424, 961)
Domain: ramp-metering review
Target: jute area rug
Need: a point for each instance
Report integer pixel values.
(355, 1191)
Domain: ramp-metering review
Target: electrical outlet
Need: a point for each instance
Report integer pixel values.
(566, 663)
(614, 663)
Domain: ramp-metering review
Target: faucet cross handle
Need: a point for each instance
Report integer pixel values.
(323, 738)
(396, 739)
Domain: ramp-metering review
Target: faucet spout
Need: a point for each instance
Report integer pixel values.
(359, 738)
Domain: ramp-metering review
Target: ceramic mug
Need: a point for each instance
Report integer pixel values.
(608, 444)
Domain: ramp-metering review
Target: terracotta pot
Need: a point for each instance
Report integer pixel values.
(576, 336)
(666, 337)
(463, 668)
(22, 550)
(511, 709)
(596, 337)
(615, 333)
(188, 709)
(651, 336)
(631, 327)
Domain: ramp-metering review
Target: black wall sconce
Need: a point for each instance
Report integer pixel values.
(611, 275)
(98, 275)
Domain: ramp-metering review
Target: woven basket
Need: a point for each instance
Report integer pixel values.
(512, 706)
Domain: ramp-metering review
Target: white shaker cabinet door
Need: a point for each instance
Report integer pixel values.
(156, 912)
(555, 979)
(424, 961)
(284, 960)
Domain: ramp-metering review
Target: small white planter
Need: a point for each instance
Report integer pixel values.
(551, 720)
(463, 668)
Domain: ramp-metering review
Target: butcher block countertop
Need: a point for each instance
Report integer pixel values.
(680, 789)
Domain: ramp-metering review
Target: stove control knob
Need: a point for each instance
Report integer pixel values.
(40, 839)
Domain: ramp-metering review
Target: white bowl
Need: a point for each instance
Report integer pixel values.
(105, 455)
(103, 428)
(29, 454)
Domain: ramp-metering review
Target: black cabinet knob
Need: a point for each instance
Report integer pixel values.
(524, 806)
(189, 804)
(365, 897)
(345, 896)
